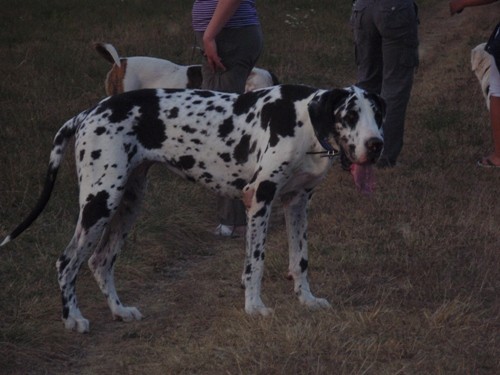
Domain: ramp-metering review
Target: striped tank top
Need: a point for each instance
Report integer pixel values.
(245, 15)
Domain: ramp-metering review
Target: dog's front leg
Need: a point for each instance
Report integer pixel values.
(295, 209)
(258, 213)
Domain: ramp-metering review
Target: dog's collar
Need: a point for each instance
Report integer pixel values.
(329, 151)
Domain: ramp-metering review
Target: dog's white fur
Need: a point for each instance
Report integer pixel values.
(480, 61)
(141, 72)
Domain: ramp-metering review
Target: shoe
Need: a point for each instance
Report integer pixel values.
(230, 230)
(486, 163)
(224, 230)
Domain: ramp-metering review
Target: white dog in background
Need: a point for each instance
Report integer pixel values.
(139, 72)
(480, 64)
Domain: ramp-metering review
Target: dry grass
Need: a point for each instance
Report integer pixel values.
(412, 272)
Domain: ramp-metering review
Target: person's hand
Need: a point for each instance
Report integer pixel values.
(455, 7)
(213, 58)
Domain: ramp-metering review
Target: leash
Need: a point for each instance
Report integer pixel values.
(195, 48)
(329, 152)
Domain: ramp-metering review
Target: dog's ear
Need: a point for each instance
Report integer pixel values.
(322, 111)
(380, 106)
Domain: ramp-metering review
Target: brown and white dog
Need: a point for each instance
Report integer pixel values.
(140, 72)
(480, 64)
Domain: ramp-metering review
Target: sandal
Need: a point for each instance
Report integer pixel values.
(486, 163)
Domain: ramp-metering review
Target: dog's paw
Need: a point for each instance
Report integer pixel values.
(79, 324)
(315, 303)
(259, 310)
(127, 314)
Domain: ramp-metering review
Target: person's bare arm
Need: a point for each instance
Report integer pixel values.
(224, 11)
(456, 6)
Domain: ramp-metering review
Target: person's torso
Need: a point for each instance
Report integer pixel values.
(203, 10)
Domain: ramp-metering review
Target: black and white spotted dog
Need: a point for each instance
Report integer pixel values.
(259, 146)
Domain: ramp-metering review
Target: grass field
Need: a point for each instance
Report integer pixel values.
(412, 272)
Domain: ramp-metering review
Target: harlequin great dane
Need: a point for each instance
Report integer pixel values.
(258, 146)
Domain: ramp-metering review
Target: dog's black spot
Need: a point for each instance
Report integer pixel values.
(219, 109)
(186, 162)
(95, 154)
(149, 129)
(248, 269)
(205, 94)
(194, 77)
(206, 176)
(100, 130)
(239, 183)
(173, 113)
(242, 149)
(250, 117)
(64, 133)
(226, 128)
(247, 100)
(295, 93)
(63, 263)
(261, 212)
(303, 265)
(279, 116)
(132, 153)
(266, 191)
(65, 311)
(95, 209)
(112, 263)
(82, 154)
(188, 129)
(225, 156)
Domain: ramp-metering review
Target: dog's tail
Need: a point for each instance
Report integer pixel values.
(58, 147)
(108, 51)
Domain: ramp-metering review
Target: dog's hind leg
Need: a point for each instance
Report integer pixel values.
(97, 208)
(102, 262)
(68, 265)
(295, 210)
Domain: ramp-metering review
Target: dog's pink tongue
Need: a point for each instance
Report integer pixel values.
(364, 178)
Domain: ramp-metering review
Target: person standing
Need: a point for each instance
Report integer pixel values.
(386, 52)
(230, 37)
(493, 48)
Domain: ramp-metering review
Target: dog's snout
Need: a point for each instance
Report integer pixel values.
(374, 146)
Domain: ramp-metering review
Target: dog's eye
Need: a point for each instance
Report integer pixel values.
(351, 118)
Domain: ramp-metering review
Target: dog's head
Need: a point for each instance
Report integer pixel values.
(351, 120)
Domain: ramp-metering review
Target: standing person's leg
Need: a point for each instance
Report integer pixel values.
(368, 46)
(239, 50)
(398, 26)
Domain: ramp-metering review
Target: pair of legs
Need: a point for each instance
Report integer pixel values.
(494, 158)
(239, 50)
(386, 49)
